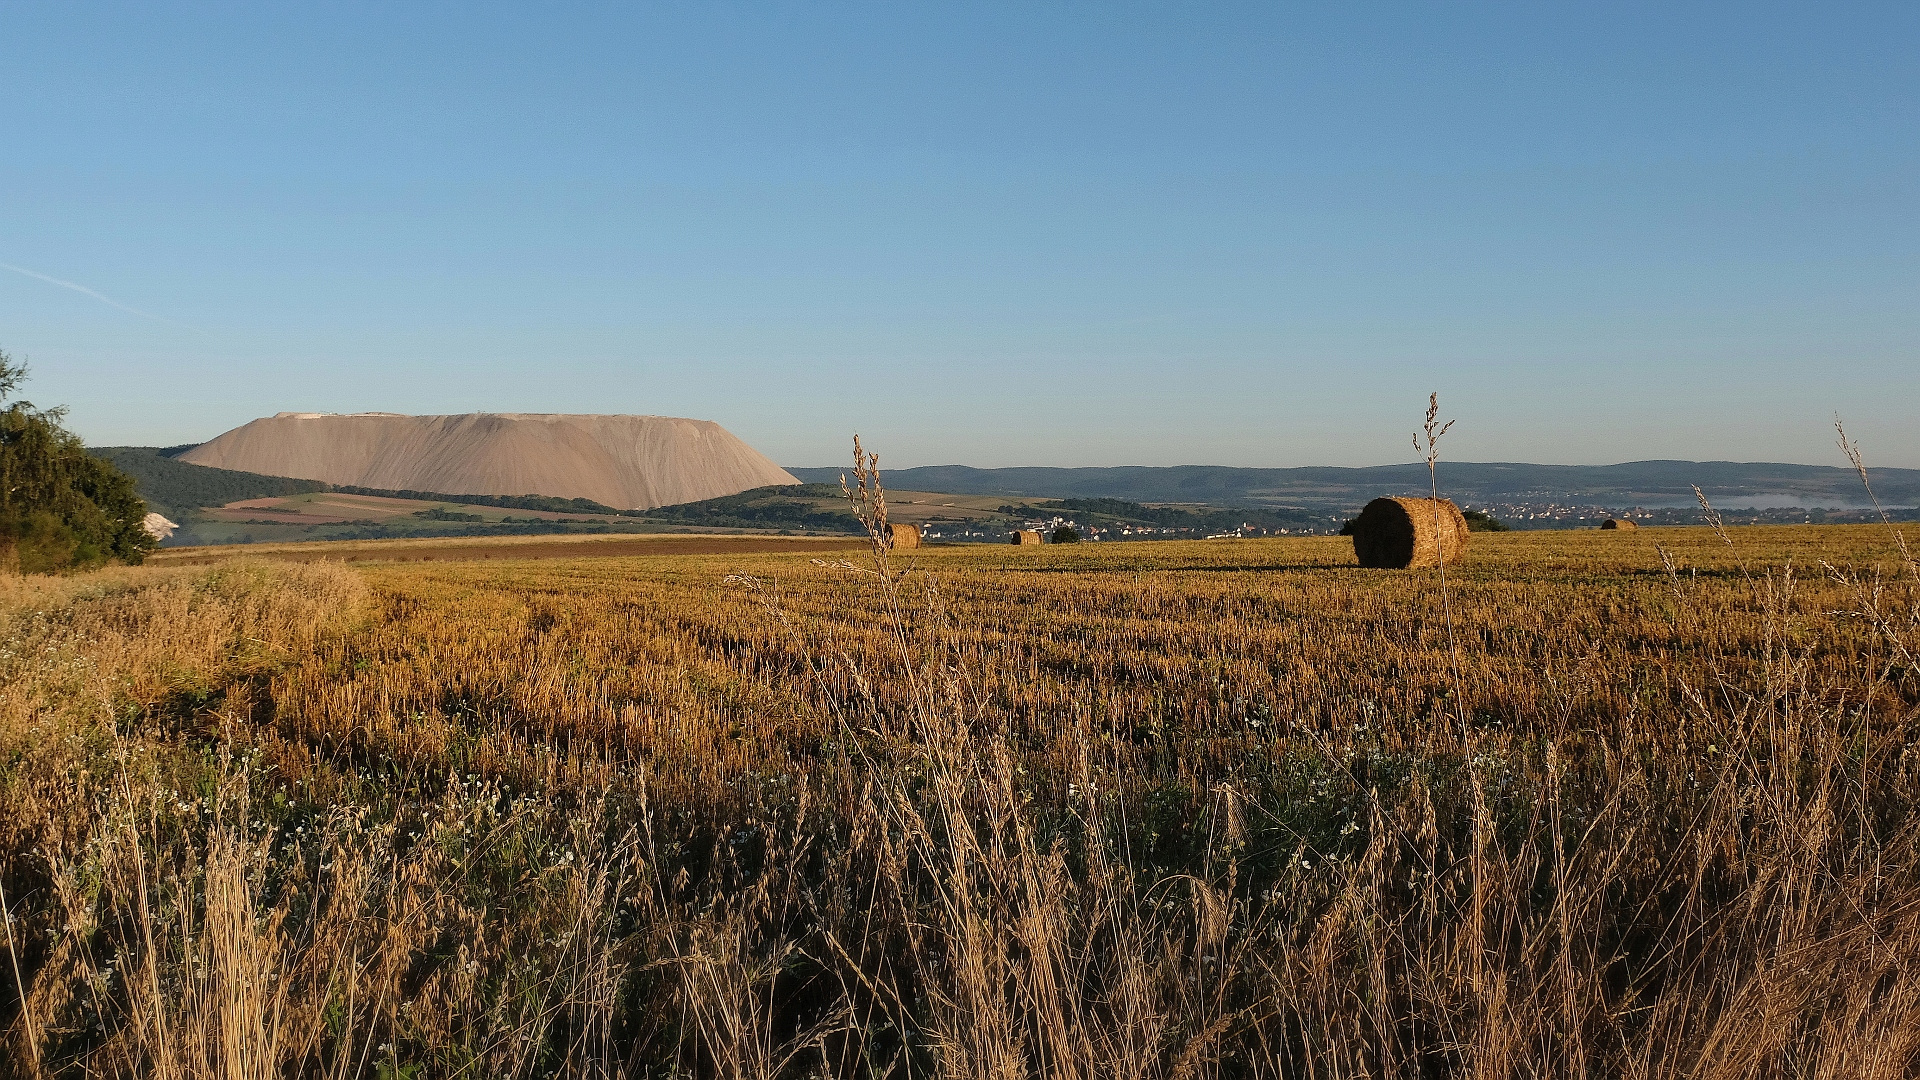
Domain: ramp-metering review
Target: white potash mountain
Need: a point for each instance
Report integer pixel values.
(627, 462)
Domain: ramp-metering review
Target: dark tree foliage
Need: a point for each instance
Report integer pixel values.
(550, 503)
(60, 507)
(1066, 534)
(1481, 521)
(177, 489)
(783, 506)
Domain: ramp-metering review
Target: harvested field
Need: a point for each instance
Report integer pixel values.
(1217, 809)
(486, 549)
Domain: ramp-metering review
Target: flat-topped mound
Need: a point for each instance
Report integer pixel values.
(628, 462)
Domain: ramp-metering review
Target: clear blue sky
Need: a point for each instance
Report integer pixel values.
(986, 234)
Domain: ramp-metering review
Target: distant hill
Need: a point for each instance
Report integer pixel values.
(1281, 498)
(182, 491)
(1646, 483)
(174, 488)
(627, 462)
(808, 507)
(169, 485)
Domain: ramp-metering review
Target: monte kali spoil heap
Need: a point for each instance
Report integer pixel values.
(627, 462)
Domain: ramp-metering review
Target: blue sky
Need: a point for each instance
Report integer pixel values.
(984, 234)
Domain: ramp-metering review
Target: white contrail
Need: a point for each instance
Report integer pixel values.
(108, 300)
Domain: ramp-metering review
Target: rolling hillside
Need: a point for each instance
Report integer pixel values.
(1644, 483)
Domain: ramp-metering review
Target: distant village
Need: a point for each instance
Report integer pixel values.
(1087, 531)
(1568, 515)
(1518, 516)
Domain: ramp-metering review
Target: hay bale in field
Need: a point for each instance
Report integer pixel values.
(1396, 533)
(1027, 536)
(1621, 524)
(903, 536)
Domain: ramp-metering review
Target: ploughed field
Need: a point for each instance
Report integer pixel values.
(1609, 804)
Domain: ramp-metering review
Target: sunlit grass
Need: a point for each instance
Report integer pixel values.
(1148, 809)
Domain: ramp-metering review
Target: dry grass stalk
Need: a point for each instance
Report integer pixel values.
(28, 1029)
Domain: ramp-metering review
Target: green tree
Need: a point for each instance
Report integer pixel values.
(60, 508)
(1066, 534)
(1481, 521)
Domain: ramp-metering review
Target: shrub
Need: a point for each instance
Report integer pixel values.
(60, 508)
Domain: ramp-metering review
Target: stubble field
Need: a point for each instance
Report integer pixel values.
(1633, 805)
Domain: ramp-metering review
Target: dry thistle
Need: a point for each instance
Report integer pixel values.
(868, 498)
(1713, 516)
(1434, 429)
(1859, 463)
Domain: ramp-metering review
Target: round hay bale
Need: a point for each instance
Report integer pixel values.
(903, 536)
(1027, 536)
(1621, 524)
(1397, 534)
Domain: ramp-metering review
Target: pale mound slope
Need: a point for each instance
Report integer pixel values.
(628, 462)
